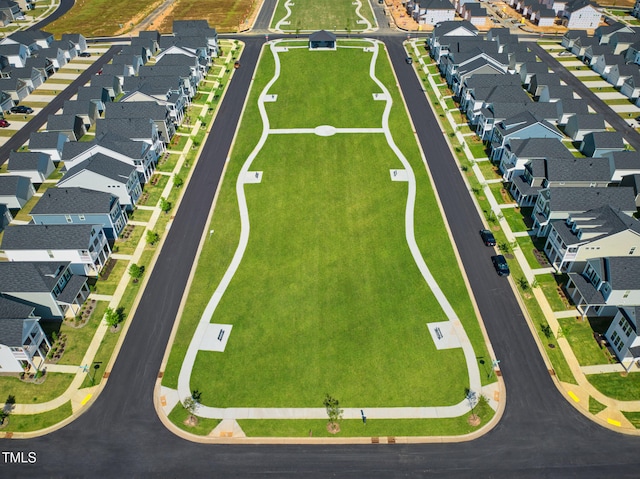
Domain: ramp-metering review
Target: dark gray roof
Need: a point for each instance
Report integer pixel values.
(76, 107)
(177, 60)
(62, 122)
(501, 94)
(70, 292)
(605, 139)
(322, 36)
(536, 67)
(589, 121)
(92, 93)
(27, 37)
(491, 80)
(560, 91)
(30, 277)
(574, 105)
(28, 160)
(539, 148)
(623, 272)
(125, 127)
(136, 109)
(44, 139)
(590, 294)
(61, 201)
(48, 237)
(187, 26)
(523, 120)
(443, 28)
(102, 165)
(10, 309)
(583, 199)
(578, 169)
(164, 70)
(13, 184)
(626, 160)
(159, 85)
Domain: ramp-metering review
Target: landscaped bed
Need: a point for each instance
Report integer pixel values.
(335, 304)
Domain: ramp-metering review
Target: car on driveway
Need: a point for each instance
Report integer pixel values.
(85, 55)
(488, 238)
(21, 109)
(500, 264)
(4, 123)
(564, 53)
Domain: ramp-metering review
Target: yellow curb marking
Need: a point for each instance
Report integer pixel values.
(496, 396)
(573, 396)
(86, 399)
(163, 401)
(614, 422)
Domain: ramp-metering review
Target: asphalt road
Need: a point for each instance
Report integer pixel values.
(540, 434)
(64, 7)
(610, 116)
(36, 121)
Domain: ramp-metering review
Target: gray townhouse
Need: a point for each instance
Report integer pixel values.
(558, 203)
(36, 166)
(605, 284)
(144, 110)
(100, 172)
(600, 143)
(85, 246)
(138, 154)
(62, 206)
(623, 334)
(166, 90)
(580, 125)
(96, 94)
(86, 110)
(15, 191)
(23, 342)
(48, 286)
(49, 142)
(70, 125)
(136, 129)
(518, 152)
(600, 232)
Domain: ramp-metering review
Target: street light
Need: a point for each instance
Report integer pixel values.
(95, 366)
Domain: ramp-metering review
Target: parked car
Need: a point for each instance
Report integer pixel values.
(500, 264)
(21, 109)
(85, 55)
(236, 65)
(409, 60)
(487, 237)
(564, 53)
(4, 123)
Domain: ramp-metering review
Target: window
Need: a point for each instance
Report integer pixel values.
(68, 218)
(50, 253)
(81, 217)
(632, 250)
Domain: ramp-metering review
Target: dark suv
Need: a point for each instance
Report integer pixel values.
(500, 264)
(487, 237)
(21, 109)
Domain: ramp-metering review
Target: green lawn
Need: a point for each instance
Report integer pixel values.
(140, 215)
(36, 422)
(500, 193)
(78, 339)
(477, 148)
(328, 290)
(28, 393)
(549, 284)
(326, 15)
(108, 286)
(579, 333)
(516, 218)
(617, 386)
(527, 246)
(489, 170)
(595, 406)
(169, 164)
(618, 101)
(179, 415)
(633, 417)
(128, 246)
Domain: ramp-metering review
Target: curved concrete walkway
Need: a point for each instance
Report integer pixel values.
(184, 390)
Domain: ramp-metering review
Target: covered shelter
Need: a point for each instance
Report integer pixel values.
(322, 40)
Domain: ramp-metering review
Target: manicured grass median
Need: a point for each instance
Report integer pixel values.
(36, 422)
(29, 393)
(335, 304)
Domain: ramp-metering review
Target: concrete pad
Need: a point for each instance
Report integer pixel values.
(596, 84)
(269, 98)
(398, 175)
(227, 428)
(380, 97)
(583, 73)
(444, 335)
(325, 130)
(610, 95)
(625, 108)
(168, 399)
(215, 337)
(281, 49)
(253, 177)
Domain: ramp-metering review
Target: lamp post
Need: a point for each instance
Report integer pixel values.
(95, 367)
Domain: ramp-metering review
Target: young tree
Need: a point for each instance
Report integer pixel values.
(152, 237)
(114, 317)
(136, 272)
(178, 181)
(332, 405)
(165, 205)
